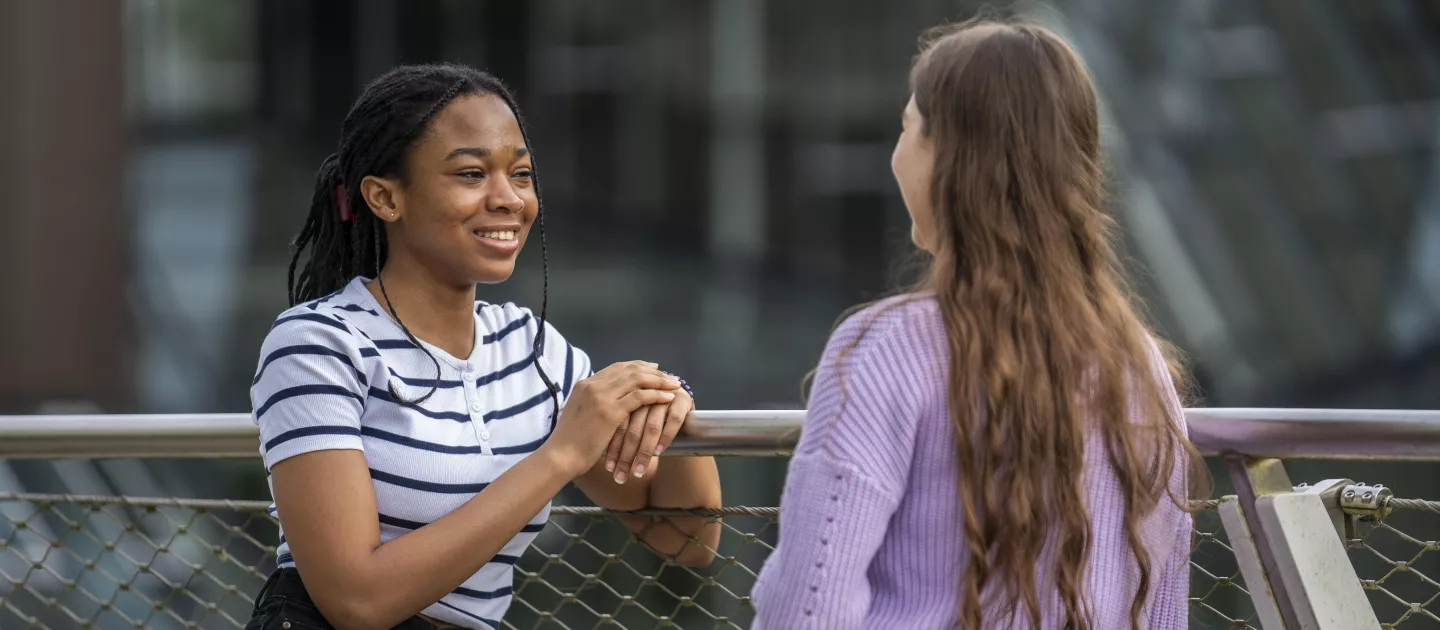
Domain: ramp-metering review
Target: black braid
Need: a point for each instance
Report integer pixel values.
(539, 348)
(391, 114)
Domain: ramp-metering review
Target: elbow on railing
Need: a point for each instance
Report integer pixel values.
(698, 537)
(688, 541)
(695, 556)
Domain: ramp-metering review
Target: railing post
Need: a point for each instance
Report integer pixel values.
(1253, 478)
(1299, 572)
(1247, 556)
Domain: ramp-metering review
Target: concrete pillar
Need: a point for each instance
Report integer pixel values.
(65, 331)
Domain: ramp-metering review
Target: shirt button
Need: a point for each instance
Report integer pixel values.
(469, 375)
(485, 435)
(475, 407)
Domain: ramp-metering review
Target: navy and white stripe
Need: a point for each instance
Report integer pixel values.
(323, 383)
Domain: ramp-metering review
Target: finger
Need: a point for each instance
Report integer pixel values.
(644, 379)
(618, 368)
(675, 417)
(654, 426)
(633, 432)
(612, 454)
(641, 397)
(623, 371)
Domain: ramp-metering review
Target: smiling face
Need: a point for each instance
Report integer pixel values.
(467, 200)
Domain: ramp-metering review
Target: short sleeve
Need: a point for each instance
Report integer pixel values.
(564, 363)
(309, 389)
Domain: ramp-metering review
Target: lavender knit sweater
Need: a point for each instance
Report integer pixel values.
(871, 535)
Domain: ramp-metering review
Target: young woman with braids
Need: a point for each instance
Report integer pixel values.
(415, 437)
(1003, 447)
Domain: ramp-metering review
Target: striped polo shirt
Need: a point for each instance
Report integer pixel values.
(324, 380)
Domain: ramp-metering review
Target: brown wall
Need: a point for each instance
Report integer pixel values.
(65, 329)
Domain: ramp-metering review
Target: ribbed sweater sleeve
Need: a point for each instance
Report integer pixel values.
(850, 469)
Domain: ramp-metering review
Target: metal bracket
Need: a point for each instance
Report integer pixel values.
(1360, 503)
(1366, 500)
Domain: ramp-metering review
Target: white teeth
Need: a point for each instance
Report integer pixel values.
(506, 235)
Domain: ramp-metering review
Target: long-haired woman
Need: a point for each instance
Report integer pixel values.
(1004, 446)
(414, 436)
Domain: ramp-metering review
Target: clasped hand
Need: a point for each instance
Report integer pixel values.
(629, 413)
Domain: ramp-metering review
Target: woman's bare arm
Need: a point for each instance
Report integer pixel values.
(687, 483)
(327, 505)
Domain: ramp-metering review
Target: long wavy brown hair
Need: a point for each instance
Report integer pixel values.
(1047, 342)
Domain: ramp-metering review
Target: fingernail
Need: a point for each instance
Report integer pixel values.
(669, 396)
(620, 476)
(609, 465)
(639, 471)
(659, 448)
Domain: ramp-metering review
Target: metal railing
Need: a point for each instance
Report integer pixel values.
(227, 435)
(71, 561)
(1277, 433)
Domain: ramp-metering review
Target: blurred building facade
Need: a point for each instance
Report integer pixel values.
(717, 175)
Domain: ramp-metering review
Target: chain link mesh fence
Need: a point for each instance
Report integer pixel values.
(587, 570)
(1218, 598)
(116, 562)
(1400, 571)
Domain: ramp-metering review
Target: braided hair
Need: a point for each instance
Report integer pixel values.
(390, 116)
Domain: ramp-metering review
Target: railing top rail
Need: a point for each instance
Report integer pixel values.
(1317, 433)
(1286, 433)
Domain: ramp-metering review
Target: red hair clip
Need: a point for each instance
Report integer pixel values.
(342, 204)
